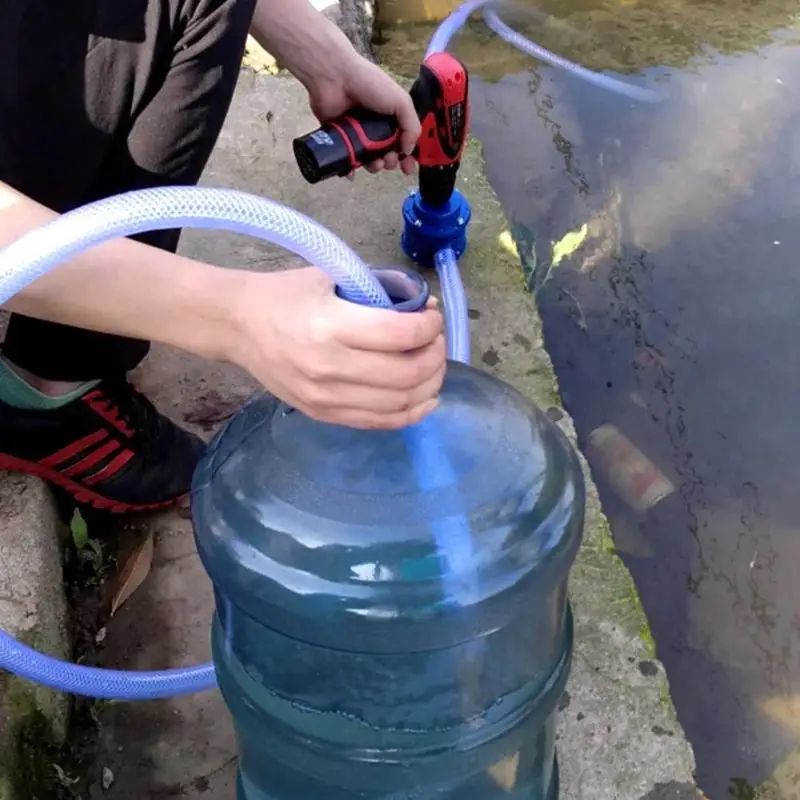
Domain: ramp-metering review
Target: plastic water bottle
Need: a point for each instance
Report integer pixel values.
(391, 616)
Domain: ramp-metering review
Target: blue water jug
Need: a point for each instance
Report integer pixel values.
(391, 615)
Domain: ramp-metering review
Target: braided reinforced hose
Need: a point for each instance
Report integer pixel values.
(455, 303)
(458, 18)
(104, 684)
(39, 251)
(36, 253)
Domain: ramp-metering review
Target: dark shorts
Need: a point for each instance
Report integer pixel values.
(104, 96)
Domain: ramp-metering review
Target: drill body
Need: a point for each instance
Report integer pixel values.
(441, 98)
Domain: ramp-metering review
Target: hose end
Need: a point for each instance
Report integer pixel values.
(428, 229)
(407, 289)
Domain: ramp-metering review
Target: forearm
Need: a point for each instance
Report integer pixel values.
(301, 38)
(127, 288)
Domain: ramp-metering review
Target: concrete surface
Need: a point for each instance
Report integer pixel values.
(33, 610)
(618, 736)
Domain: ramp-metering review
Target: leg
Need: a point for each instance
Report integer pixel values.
(160, 105)
(128, 95)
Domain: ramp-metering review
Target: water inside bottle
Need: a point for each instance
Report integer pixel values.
(278, 765)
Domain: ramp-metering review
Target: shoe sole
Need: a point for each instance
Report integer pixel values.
(80, 493)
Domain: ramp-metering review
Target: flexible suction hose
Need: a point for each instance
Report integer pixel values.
(455, 304)
(458, 18)
(36, 253)
(39, 251)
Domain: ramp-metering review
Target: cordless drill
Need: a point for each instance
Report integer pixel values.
(441, 97)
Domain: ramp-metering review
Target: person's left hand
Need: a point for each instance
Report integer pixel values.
(359, 82)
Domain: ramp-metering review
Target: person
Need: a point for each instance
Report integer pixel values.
(99, 97)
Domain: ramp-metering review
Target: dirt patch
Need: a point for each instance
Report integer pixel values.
(97, 545)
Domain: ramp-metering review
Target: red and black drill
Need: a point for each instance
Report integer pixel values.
(359, 137)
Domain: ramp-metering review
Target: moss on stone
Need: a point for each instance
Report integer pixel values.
(645, 634)
(34, 774)
(35, 728)
(30, 746)
(626, 589)
(604, 534)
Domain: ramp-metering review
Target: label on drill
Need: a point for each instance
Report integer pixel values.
(323, 138)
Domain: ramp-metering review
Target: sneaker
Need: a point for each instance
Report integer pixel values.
(110, 449)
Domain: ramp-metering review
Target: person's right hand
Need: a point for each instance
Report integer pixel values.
(337, 361)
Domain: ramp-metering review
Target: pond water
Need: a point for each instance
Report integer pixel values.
(663, 242)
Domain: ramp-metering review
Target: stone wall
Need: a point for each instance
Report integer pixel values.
(355, 17)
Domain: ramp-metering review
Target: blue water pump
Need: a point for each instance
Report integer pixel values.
(391, 615)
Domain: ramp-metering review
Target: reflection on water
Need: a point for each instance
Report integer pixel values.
(675, 322)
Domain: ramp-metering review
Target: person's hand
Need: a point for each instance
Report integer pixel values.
(336, 76)
(358, 82)
(337, 361)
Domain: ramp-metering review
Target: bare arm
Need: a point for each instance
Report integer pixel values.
(337, 78)
(309, 45)
(128, 288)
(335, 360)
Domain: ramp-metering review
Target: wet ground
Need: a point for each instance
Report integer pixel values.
(672, 314)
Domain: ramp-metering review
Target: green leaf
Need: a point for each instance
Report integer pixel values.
(79, 530)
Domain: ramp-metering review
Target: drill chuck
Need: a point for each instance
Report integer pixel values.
(436, 184)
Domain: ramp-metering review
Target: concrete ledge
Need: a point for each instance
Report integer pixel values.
(33, 609)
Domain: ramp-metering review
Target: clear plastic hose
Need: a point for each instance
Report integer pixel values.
(36, 253)
(43, 249)
(515, 39)
(452, 534)
(451, 25)
(458, 18)
(455, 306)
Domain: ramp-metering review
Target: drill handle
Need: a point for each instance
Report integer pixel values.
(370, 135)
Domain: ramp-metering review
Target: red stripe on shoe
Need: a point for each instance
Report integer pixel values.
(110, 469)
(81, 493)
(104, 407)
(74, 449)
(86, 463)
